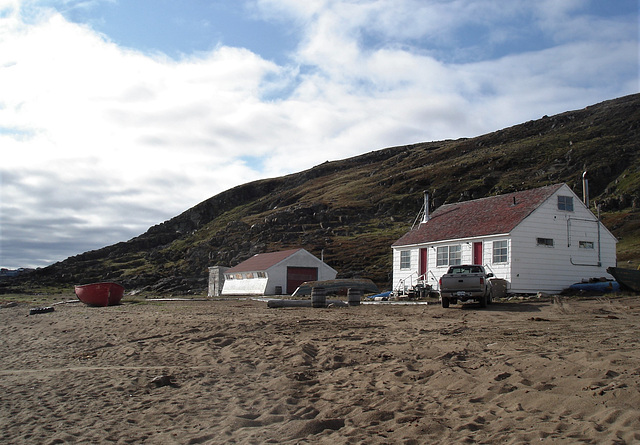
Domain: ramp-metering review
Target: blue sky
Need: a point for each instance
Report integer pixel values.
(185, 27)
(117, 115)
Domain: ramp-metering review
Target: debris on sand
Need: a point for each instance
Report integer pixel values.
(163, 380)
(41, 310)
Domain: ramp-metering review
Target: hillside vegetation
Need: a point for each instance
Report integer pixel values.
(351, 211)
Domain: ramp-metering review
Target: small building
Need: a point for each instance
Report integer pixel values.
(544, 239)
(275, 273)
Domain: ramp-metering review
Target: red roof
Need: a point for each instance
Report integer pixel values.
(262, 261)
(480, 217)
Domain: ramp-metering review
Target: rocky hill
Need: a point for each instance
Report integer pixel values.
(351, 211)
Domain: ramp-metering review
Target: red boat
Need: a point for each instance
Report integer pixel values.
(100, 294)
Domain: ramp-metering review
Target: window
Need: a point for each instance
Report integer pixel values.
(405, 259)
(565, 203)
(500, 251)
(261, 274)
(249, 275)
(455, 255)
(449, 255)
(443, 256)
(548, 242)
(585, 244)
(466, 269)
(229, 276)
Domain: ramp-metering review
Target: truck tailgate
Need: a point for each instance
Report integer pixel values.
(465, 283)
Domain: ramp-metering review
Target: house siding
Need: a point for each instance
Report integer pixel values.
(500, 270)
(407, 276)
(551, 269)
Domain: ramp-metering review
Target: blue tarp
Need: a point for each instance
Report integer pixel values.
(383, 295)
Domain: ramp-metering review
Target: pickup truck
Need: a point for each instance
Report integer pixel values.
(464, 283)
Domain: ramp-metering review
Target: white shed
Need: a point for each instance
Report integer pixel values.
(543, 239)
(275, 273)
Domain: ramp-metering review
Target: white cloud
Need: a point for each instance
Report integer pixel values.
(99, 139)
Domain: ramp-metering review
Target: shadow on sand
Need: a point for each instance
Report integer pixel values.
(506, 306)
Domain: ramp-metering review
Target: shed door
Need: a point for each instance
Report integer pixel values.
(298, 275)
(477, 253)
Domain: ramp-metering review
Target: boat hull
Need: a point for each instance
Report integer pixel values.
(628, 278)
(100, 294)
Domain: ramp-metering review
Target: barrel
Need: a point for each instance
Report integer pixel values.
(318, 297)
(354, 296)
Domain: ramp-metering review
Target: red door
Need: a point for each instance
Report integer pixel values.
(298, 275)
(423, 263)
(477, 253)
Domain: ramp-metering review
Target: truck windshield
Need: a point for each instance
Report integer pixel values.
(466, 269)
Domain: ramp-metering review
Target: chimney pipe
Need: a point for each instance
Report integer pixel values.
(425, 216)
(585, 189)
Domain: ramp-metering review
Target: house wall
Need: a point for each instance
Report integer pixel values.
(434, 272)
(552, 269)
(405, 278)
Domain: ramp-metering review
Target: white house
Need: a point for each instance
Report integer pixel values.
(275, 273)
(543, 239)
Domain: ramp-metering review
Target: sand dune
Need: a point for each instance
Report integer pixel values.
(563, 371)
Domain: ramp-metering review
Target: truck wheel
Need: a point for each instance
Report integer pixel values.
(445, 302)
(490, 300)
(483, 301)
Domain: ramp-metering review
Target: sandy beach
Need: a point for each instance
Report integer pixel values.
(558, 370)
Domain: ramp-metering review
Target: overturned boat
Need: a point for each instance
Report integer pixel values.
(100, 294)
(628, 278)
(337, 286)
